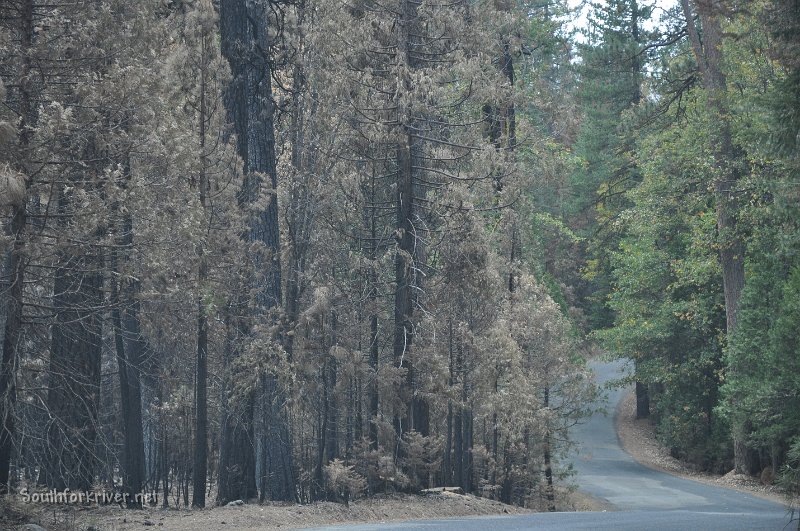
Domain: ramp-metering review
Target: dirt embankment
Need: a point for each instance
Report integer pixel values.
(380, 508)
(245, 517)
(638, 438)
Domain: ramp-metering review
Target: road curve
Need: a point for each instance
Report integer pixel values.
(643, 499)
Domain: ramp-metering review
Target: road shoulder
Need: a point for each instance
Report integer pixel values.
(637, 438)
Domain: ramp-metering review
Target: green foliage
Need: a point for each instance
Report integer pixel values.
(611, 77)
(789, 476)
(667, 299)
(764, 358)
(665, 282)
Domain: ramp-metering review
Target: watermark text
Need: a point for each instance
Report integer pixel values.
(101, 497)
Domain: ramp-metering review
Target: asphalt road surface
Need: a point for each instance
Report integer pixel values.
(643, 499)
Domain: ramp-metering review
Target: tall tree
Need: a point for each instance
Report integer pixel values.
(611, 69)
(74, 388)
(199, 29)
(130, 349)
(610, 85)
(246, 44)
(23, 26)
(708, 52)
(758, 390)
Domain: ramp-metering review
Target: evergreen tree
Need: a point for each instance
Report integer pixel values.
(322, 238)
(610, 86)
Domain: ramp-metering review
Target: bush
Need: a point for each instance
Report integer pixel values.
(789, 478)
(342, 482)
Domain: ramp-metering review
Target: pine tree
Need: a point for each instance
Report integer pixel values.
(611, 78)
(247, 34)
(334, 223)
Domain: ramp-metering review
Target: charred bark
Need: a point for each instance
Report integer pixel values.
(130, 349)
(12, 328)
(416, 416)
(200, 465)
(237, 462)
(246, 45)
(11, 339)
(74, 387)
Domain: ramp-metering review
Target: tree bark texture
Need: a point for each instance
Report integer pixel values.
(245, 44)
(74, 387)
(130, 350)
(200, 465)
(12, 327)
(416, 416)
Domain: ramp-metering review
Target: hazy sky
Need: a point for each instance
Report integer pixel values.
(660, 7)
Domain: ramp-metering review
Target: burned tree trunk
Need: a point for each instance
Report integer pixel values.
(246, 44)
(130, 348)
(406, 241)
(12, 328)
(237, 462)
(74, 372)
(11, 338)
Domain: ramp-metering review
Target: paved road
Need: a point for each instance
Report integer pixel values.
(644, 499)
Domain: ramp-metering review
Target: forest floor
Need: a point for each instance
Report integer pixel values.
(638, 438)
(380, 508)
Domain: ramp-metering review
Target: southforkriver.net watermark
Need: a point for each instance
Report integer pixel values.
(76, 497)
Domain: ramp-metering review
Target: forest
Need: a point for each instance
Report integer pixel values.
(299, 250)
